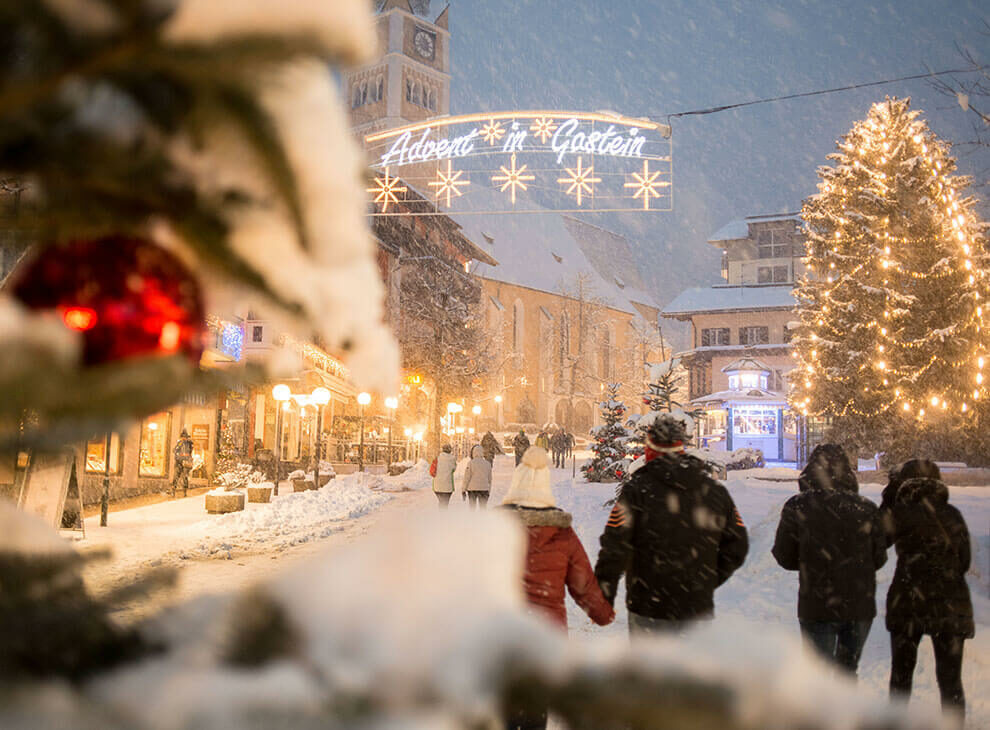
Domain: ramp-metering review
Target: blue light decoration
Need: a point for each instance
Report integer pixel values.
(232, 340)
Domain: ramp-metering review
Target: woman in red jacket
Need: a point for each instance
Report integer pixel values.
(555, 559)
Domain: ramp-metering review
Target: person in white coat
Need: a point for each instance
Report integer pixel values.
(477, 482)
(443, 475)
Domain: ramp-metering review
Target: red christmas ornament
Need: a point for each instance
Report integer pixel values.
(128, 297)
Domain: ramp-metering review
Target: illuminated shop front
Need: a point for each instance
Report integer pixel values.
(748, 414)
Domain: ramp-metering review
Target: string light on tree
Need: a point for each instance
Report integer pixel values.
(892, 335)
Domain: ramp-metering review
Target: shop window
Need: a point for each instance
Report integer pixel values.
(95, 457)
(754, 421)
(258, 333)
(200, 434)
(155, 434)
(748, 381)
(754, 335)
(715, 336)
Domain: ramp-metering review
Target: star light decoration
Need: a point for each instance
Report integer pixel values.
(580, 180)
(492, 132)
(646, 184)
(513, 179)
(385, 190)
(543, 127)
(448, 182)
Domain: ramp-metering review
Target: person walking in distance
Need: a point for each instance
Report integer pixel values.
(477, 482)
(555, 561)
(928, 594)
(675, 534)
(490, 446)
(834, 538)
(558, 445)
(442, 470)
(183, 454)
(519, 445)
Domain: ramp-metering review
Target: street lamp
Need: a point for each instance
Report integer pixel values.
(498, 412)
(476, 410)
(281, 394)
(391, 403)
(363, 399)
(320, 397)
(407, 432)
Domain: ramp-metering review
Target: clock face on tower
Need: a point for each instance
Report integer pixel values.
(425, 43)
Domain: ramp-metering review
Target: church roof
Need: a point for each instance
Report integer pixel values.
(546, 252)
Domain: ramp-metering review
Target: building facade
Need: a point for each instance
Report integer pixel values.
(740, 351)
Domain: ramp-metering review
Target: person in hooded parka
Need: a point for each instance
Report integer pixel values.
(477, 483)
(834, 538)
(443, 475)
(928, 594)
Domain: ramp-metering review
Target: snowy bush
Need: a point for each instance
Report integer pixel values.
(744, 458)
(239, 476)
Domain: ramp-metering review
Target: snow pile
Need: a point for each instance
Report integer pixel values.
(344, 27)
(382, 633)
(289, 519)
(415, 477)
(27, 534)
(744, 458)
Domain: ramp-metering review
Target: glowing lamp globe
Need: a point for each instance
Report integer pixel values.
(127, 297)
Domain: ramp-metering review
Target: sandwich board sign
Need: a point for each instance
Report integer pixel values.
(46, 484)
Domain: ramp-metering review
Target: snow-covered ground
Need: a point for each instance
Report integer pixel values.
(762, 597)
(759, 601)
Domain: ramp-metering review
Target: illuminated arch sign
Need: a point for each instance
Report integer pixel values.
(524, 162)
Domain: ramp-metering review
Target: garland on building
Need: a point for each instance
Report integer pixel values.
(609, 446)
(891, 347)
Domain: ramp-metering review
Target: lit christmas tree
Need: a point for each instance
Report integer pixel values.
(891, 346)
(610, 439)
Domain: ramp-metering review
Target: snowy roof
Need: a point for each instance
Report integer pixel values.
(730, 298)
(547, 252)
(753, 395)
(746, 363)
(740, 228)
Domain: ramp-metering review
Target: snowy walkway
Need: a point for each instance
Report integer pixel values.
(226, 553)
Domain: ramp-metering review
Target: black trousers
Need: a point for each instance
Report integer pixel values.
(948, 666)
(477, 499)
(443, 498)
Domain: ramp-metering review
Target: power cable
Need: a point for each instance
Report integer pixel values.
(726, 107)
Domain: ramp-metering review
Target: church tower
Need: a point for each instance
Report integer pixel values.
(410, 82)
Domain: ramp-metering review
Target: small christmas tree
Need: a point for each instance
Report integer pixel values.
(610, 439)
(662, 397)
(892, 344)
(228, 453)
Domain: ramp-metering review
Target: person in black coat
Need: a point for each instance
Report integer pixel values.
(519, 445)
(675, 534)
(835, 538)
(928, 594)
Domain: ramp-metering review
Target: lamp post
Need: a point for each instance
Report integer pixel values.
(407, 432)
(281, 394)
(391, 403)
(105, 499)
(363, 399)
(498, 412)
(320, 397)
(476, 410)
